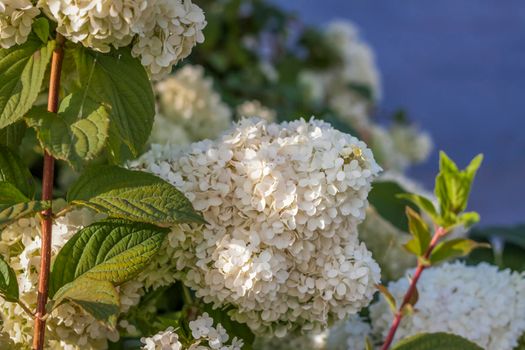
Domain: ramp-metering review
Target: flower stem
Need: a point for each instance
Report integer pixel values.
(421, 265)
(47, 195)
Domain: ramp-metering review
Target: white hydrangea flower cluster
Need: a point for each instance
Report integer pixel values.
(188, 103)
(16, 19)
(162, 31)
(282, 202)
(349, 335)
(205, 337)
(399, 146)
(254, 108)
(357, 67)
(479, 303)
(68, 327)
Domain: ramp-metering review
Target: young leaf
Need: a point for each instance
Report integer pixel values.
(388, 297)
(119, 81)
(12, 135)
(110, 250)
(436, 341)
(133, 195)
(422, 203)
(77, 134)
(387, 202)
(8, 282)
(420, 233)
(468, 219)
(454, 248)
(368, 344)
(453, 187)
(97, 297)
(14, 171)
(22, 70)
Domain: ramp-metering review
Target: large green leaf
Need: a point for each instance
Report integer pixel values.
(133, 195)
(14, 204)
(436, 341)
(77, 133)
(8, 282)
(12, 135)
(97, 297)
(111, 250)
(120, 82)
(14, 171)
(385, 199)
(22, 70)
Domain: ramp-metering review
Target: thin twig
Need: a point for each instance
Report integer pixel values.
(47, 195)
(421, 265)
(25, 308)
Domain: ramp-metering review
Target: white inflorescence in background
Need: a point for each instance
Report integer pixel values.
(205, 337)
(254, 108)
(188, 103)
(282, 202)
(479, 303)
(16, 19)
(349, 335)
(162, 32)
(68, 327)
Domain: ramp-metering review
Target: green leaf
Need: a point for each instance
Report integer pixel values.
(468, 219)
(22, 70)
(133, 195)
(111, 250)
(454, 248)
(8, 282)
(120, 83)
(385, 197)
(436, 341)
(12, 135)
(14, 171)
(97, 297)
(453, 187)
(391, 301)
(420, 233)
(41, 28)
(76, 134)
(422, 203)
(14, 204)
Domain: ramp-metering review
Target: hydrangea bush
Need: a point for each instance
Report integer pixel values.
(246, 198)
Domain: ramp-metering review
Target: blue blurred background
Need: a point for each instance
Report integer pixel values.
(458, 69)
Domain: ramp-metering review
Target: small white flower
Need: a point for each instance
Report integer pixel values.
(255, 109)
(16, 18)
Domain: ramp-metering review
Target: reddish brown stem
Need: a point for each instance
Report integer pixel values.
(47, 195)
(440, 232)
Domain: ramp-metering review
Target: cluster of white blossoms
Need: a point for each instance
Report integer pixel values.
(255, 109)
(479, 303)
(68, 327)
(16, 19)
(188, 104)
(356, 68)
(282, 202)
(400, 145)
(350, 334)
(205, 337)
(162, 32)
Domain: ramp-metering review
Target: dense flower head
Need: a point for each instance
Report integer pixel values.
(68, 327)
(479, 303)
(282, 202)
(16, 19)
(205, 337)
(162, 31)
(188, 100)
